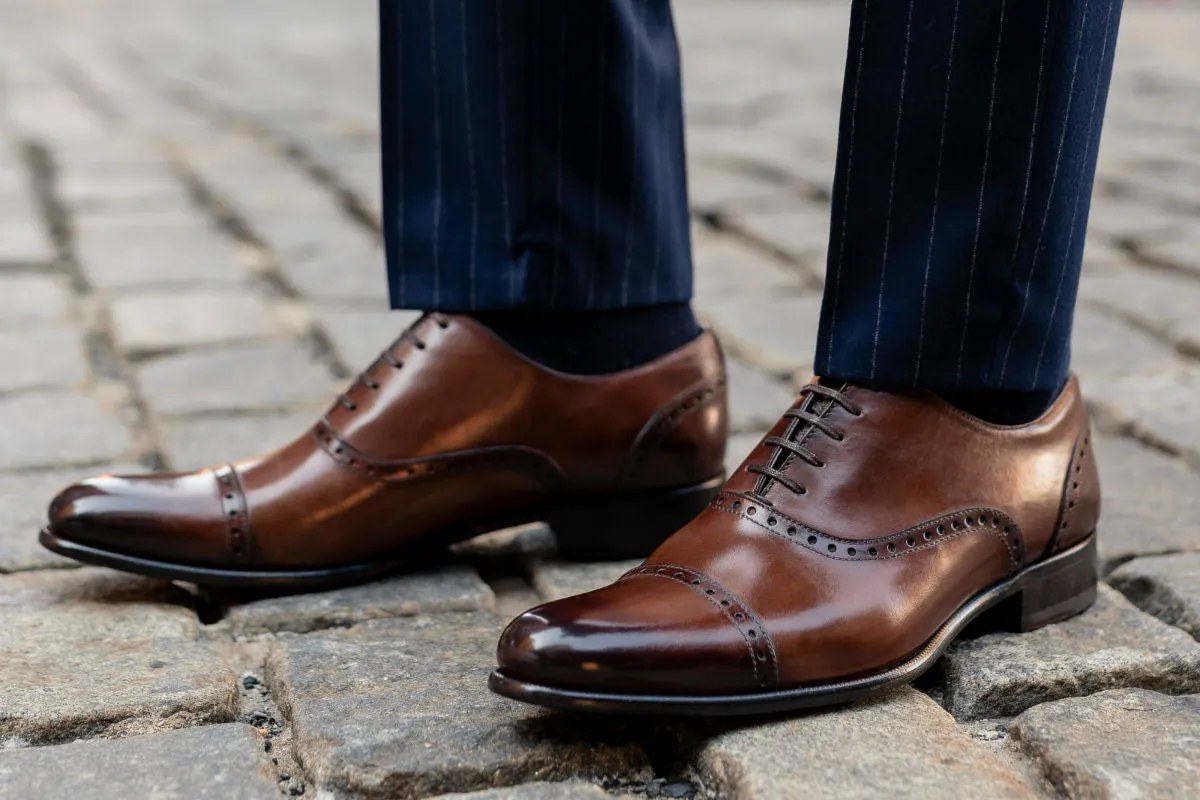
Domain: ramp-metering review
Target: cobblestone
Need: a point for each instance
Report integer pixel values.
(556, 579)
(41, 358)
(860, 752)
(29, 298)
(777, 333)
(59, 429)
(137, 647)
(243, 378)
(1112, 645)
(570, 790)
(1151, 502)
(207, 441)
(1128, 743)
(1166, 586)
(360, 335)
(218, 762)
(120, 253)
(397, 708)
(756, 401)
(149, 323)
(446, 589)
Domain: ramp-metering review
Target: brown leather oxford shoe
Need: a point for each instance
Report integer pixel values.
(449, 434)
(852, 546)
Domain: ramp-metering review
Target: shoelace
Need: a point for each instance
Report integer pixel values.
(409, 334)
(792, 443)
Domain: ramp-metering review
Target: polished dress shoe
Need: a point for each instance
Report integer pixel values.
(857, 540)
(450, 433)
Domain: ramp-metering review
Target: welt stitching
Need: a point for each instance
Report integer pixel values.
(864, 543)
(654, 571)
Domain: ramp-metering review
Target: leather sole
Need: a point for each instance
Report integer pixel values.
(1050, 591)
(611, 528)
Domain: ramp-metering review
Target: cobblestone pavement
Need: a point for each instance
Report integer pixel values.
(190, 264)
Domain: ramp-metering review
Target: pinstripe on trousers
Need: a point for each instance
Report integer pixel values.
(966, 157)
(533, 154)
(533, 158)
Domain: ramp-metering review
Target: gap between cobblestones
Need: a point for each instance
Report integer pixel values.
(259, 707)
(111, 371)
(217, 210)
(357, 208)
(269, 276)
(724, 224)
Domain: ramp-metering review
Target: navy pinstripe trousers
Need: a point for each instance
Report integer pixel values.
(533, 158)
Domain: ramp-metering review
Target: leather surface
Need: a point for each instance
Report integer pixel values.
(449, 432)
(910, 509)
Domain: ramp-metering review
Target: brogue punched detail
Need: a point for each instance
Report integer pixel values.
(911, 540)
(758, 642)
(234, 512)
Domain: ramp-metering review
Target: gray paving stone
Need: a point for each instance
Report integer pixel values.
(164, 249)
(570, 790)
(1110, 646)
(1159, 301)
(1118, 218)
(556, 579)
(1159, 407)
(92, 651)
(776, 332)
(1166, 586)
(206, 441)
(26, 298)
(59, 429)
(445, 589)
(1180, 253)
(1151, 502)
(138, 186)
(1104, 350)
(715, 187)
(41, 358)
(1124, 744)
(1101, 257)
(23, 238)
(739, 447)
(243, 378)
(400, 708)
(727, 267)
(156, 322)
(352, 271)
(901, 746)
(216, 762)
(800, 230)
(756, 400)
(361, 334)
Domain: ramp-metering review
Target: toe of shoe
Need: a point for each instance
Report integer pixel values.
(634, 636)
(153, 516)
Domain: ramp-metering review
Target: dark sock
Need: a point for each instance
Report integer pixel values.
(1000, 406)
(997, 406)
(594, 342)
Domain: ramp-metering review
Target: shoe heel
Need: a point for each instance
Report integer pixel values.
(1056, 589)
(627, 526)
